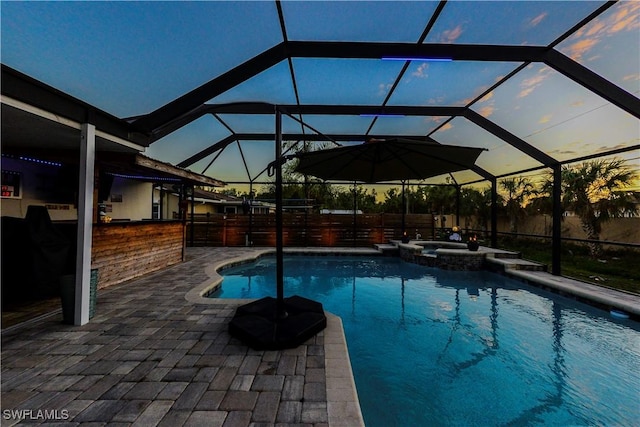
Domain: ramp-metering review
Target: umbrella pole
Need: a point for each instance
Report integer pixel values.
(268, 325)
(281, 313)
(404, 209)
(355, 206)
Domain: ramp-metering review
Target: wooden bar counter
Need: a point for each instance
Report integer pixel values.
(125, 250)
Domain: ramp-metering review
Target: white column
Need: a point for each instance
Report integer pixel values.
(85, 222)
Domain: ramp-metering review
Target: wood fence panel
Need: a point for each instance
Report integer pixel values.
(300, 229)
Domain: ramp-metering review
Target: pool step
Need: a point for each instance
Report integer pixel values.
(517, 264)
(506, 254)
(387, 248)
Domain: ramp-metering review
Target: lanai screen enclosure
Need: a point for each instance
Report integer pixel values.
(538, 83)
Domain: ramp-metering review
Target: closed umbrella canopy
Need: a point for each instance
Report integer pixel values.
(387, 160)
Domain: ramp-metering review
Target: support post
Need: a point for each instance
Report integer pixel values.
(279, 237)
(251, 197)
(355, 207)
(556, 231)
(193, 221)
(457, 205)
(404, 209)
(494, 212)
(85, 223)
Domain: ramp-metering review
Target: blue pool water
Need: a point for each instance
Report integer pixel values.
(430, 347)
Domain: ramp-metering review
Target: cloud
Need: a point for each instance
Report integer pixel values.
(486, 97)
(535, 21)
(631, 77)
(422, 71)
(562, 152)
(450, 36)
(579, 48)
(435, 119)
(545, 119)
(529, 85)
(436, 101)
(595, 29)
(447, 126)
(383, 88)
(579, 103)
(625, 18)
(486, 111)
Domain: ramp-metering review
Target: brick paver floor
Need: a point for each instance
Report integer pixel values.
(150, 357)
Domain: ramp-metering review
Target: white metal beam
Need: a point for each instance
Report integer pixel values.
(85, 223)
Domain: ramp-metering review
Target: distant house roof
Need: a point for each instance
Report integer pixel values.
(223, 199)
(339, 211)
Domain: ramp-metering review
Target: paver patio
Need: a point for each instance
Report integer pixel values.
(151, 357)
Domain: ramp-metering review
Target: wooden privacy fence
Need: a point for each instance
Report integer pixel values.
(300, 229)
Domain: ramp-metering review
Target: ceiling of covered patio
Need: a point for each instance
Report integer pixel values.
(534, 82)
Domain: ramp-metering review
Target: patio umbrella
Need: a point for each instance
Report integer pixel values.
(387, 160)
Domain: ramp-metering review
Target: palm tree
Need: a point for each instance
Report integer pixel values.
(476, 204)
(518, 190)
(594, 191)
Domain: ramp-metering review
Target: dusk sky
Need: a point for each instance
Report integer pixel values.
(130, 58)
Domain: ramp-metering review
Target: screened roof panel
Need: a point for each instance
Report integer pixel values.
(272, 85)
(352, 125)
(539, 99)
(259, 123)
(344, 81)
(610, 45)
(132, 58)
(499, 159)
(188, 140)
(617, 129)
(383, 21)
(409, 125)
(229, 163)
(454, 83)
(508, 22)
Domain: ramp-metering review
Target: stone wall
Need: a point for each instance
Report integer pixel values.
(450, 256)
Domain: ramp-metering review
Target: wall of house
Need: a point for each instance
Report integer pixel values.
(169, 203)
(42, 184)
(56, 187)
(129, 200)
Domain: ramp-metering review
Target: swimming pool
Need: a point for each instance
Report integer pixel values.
(430, 347)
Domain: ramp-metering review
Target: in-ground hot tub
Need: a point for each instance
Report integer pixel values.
(445, 255)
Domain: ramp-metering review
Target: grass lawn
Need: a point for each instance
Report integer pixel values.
(616, 269)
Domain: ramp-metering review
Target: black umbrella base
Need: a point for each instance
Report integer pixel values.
(258, 324)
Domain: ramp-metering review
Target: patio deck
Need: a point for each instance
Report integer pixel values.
(152, 357)
(157, 353)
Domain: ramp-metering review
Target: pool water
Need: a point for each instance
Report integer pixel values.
(431, 347)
